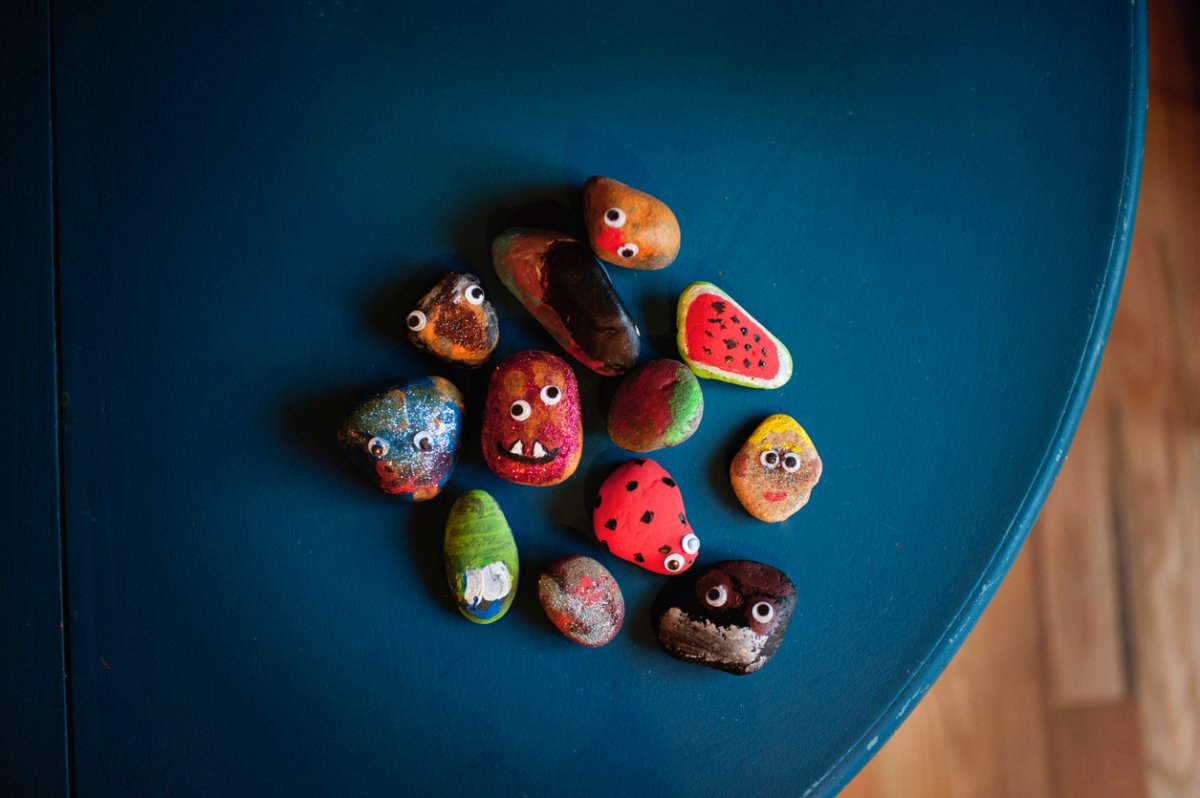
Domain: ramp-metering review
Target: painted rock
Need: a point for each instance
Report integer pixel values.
(658, 404)
(774, 472)
(406, 434)
(718, 339)
(628, 227)
(730, 616)
(569, 293)
(532, 422)
(455, 322)
(639, 517)
(582, 599)
(481, 557)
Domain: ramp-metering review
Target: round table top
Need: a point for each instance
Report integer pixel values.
(930, 205)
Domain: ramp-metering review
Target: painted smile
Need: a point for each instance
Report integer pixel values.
(538, 456)
(775, 495)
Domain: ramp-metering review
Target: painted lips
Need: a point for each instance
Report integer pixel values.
(537, 456)
(775, 495)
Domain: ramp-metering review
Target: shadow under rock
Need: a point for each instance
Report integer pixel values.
(718, 469)
(422, 538)
(311, 423)
(386, 306)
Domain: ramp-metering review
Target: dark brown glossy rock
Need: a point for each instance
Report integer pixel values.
(730, 616)
(561, 283)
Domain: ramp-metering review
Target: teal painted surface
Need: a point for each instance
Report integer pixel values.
(930, 205)
(33, 753)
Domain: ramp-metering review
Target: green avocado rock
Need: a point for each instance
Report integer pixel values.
(481, 557)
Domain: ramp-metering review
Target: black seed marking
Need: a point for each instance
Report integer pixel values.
(706, 350)
(744, 331)
(670, 483)
(640, 460)
(764, 351)
(604, 543)
(746, 347)
(611, 525)
(664, 549)
(746, 362)
(762, 365)
(728, 359)
(715, 321)
(598, 499)
(729, 343)
(757, 338)
(631, 485)
(647, 517)
(719, 307)
(638, 557)
(723, 327)
(708, 333)
(735, 319)
(682, 518)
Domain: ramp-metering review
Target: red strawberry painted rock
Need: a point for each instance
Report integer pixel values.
(639, 517)
(719, 340)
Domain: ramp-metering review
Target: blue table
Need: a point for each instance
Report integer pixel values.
(215, 219)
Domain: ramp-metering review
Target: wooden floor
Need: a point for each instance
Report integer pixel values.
(1083, 677)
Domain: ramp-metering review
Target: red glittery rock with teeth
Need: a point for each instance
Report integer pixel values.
(532, 424)
(639, 516)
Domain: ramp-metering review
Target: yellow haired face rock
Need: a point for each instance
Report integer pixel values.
(774, 472)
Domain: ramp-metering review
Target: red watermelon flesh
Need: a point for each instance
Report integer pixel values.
(725, 341)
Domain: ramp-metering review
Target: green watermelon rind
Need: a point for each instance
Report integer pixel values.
(709, 372)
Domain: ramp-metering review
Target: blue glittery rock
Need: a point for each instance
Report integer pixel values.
(406, 434)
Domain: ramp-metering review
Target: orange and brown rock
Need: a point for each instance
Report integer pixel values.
(628, 227)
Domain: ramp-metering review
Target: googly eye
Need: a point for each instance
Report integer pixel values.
(423, 441)
(690, 544)
(474, 295)
(674, 563)
(551, 395)
(377, 447)
(716, 596)
(791, 463)
(762, 611)
(627, 250)
(614, 217)
(520, 410)
(416, 321)
(769, 458)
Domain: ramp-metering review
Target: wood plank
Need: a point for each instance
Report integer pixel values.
(1157, 470)
(1098, 752)
(982, 730)
(1078, 572)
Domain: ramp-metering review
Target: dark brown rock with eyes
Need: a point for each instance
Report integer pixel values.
(730, 616)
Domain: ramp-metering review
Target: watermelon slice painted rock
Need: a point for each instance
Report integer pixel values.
(719, 340)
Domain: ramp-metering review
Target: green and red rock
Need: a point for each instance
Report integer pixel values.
(565, 288)
(719, 340)
(482, 565)
(628, 227)
(658, 404)
(582, 599)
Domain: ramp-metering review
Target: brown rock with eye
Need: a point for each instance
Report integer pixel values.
(455, 322)
(628, 227)
(774, 472)
(730, 616)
